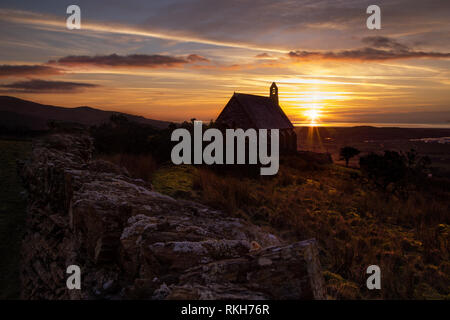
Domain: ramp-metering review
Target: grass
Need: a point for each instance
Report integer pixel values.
(12, 216)
(356, 226)
(175, 183)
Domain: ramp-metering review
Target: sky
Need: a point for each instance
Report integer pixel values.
(181, 59)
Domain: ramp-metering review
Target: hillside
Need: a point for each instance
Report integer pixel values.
(28, 115)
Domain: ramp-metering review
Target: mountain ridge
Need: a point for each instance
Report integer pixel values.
(16, 112)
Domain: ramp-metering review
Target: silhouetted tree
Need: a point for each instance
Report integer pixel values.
(347, 153)
(383, 169)
(401, 170)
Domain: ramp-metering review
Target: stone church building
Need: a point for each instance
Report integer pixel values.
(247, 111)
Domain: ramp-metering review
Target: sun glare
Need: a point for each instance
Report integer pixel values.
(312, 115)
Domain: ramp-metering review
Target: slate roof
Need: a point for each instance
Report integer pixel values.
(263, 112)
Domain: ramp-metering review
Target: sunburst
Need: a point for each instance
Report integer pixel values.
(313, 115)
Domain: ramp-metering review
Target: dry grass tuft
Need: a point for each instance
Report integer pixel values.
(139, 166)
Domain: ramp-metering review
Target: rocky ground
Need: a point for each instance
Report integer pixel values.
(134, 243)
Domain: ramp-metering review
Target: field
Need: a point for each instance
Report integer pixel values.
(12, 215)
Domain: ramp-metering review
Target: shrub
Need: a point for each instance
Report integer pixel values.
(399, 170)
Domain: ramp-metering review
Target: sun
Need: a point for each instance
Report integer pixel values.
(313, 115)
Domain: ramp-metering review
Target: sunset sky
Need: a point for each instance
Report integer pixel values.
(182, 59)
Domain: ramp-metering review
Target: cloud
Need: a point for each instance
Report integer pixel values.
(382, 48)
(54, 23)
(43, 86)
(27, 70)
(314, 24)
(130, 61)
(384, 42)
(263, 56)
(196, 58)
(266, 26)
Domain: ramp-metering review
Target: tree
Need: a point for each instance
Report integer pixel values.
(386, 169)
(347, 153)
(403, 171)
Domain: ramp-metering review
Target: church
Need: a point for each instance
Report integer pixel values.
(247, 111)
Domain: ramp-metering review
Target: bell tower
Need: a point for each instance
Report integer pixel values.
(274, 93)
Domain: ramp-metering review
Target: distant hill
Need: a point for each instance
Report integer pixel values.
(361, 133)
(28, 115)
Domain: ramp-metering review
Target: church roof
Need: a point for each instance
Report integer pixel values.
(263, 112)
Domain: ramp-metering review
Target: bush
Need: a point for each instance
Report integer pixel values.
(399, 170)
